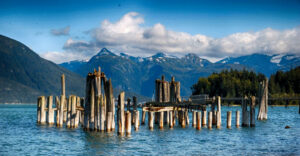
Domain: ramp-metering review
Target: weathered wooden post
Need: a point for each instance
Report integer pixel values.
(128, 104)
(128, 123)
(150, 120)
(66, 109)
(73, 111)
(245, 114)
(210, 118)
(121, 115)
(39, 101)
(69, 108)
(182, 116)
(198, 120)
(103, 114)
(43, 111)
(137, 121)
(143, 117)
(252, 112)
(63, 85)
(113, 123)
(213, 105)
(87, 106)
(167, 117)
(109, 121)
(61, 110)
(78, 112)
(204, 118)
(218, 119)
(134, 108)
(219, 109)
(161, 120)
(229, 119)
(187, 117)
(263, 108)
(50, 117)
(194, 119)
(57, 103)
(171, 123)
(237, 119)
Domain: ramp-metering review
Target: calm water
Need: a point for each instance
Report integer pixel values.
(19, 134)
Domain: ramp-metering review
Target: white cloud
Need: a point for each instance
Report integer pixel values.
(130, 36)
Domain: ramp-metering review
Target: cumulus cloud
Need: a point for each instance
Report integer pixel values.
(60, 32)
(130, 36)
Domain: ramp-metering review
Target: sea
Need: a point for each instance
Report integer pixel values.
(21, 135)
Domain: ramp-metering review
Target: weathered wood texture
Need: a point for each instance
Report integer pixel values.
(263, 107)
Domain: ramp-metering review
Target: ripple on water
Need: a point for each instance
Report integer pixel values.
(20, 134)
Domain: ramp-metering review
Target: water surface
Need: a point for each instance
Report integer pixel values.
(19, 135)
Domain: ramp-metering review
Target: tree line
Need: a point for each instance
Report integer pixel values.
(240, 83)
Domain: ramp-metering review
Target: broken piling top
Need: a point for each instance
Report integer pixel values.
(63, 85)
(163, 77)
(98, 73)
(173, 79)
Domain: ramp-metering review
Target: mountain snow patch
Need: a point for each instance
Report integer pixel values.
(276, 58)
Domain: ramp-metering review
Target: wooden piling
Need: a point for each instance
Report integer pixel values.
(57, 103)
(113, 123)
(245, 113)
(167, 117)
(82, 112)
(252, 112)
(219, 109)
(108, 121)
(103, 114)
(218, 119)
(204, 118)
(128, 123)
(78, 113)
(143, 117)
(237, 123)
(50, 116)
(150, 120)
(187, 117)
(120, 114)
(97, 113)
(61, 111)
(92, 105)
(39, 101)
(161, 120)
(229, 119)
(198, 120)
(69, 109)
(63, 85)
(65, 107)
(263, 107)
(137, 121)
(194, 113)
(183, 122)
(171, 123)
(210, 118)
(73, 111)
(43, 111)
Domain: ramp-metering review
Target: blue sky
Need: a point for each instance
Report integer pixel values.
(74, 29)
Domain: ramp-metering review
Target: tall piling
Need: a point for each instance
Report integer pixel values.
(73, 111)
(121, 114)
(61, 111)
(218, 119)
(69, 109)
(57, 103)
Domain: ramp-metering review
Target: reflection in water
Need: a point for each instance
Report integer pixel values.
(20, 135)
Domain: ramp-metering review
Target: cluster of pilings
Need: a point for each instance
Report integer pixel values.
(167, 91)
(68, 110)
(99, 110)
